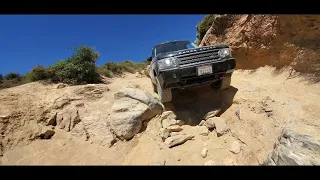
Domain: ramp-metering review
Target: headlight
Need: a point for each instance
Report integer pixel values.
(224, 53)
(167, 63)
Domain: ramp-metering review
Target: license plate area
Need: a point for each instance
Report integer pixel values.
(202, 70)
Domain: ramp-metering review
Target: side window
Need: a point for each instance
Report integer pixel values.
(153, 53)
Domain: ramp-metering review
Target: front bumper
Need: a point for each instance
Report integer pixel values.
(183, 77)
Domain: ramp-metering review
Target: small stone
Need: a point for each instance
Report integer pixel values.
(61, 85)
(52, 120)
(211, 114)
(164, 133)
(169, 122)
(235, 147)
(209, 163)
(167, 115)
(237, 113)
(221, 125)
(267, 109)
(204, 152)
(177, 140)
(180, 122)
(209, 123)
(178, 159)
(174, 128)
(202, 122)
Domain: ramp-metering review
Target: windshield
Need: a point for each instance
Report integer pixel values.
(173, 46)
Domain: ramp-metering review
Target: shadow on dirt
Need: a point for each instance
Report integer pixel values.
(191, 105)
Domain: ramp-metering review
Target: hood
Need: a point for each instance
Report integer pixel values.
(188, 51)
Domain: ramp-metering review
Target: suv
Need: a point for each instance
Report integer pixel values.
(181, 64)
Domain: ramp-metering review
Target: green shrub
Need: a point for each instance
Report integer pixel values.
(1, 78)
(37, 73)
(204, 26)
(27, 78)
(79, 69)
(142, 65)
(128, 66)
(110, 69)
(13, 76)
(10, 80)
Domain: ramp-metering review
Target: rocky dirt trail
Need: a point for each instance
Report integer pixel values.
(243, 123)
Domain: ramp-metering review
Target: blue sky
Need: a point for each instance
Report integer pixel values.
(30, 40)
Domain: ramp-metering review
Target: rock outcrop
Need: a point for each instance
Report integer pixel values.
(131, 108)
(74, 109)
(274, 40)
(299, 144)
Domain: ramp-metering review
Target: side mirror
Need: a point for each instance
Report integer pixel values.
(149, 58)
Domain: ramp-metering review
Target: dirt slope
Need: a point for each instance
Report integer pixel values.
(274, 40)
(252, 92)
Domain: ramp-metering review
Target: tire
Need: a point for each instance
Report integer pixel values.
(165, 95)
(222, 84)
(225, 83)
(154, 87)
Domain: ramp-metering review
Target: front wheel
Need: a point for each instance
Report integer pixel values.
(154, 87)
(165, 94)
(222, 84)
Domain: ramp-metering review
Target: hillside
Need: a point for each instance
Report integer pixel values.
(274, 40)
(25, 111)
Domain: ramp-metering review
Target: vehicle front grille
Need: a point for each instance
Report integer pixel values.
(199, 57)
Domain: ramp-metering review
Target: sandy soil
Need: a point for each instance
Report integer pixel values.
(252, 91)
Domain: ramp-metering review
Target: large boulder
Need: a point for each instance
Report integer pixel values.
(299, 144)
(131, 108)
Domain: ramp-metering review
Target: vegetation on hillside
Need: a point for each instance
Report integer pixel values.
(11, 79)
(80, 68)
(203, 26)
(111, 69)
